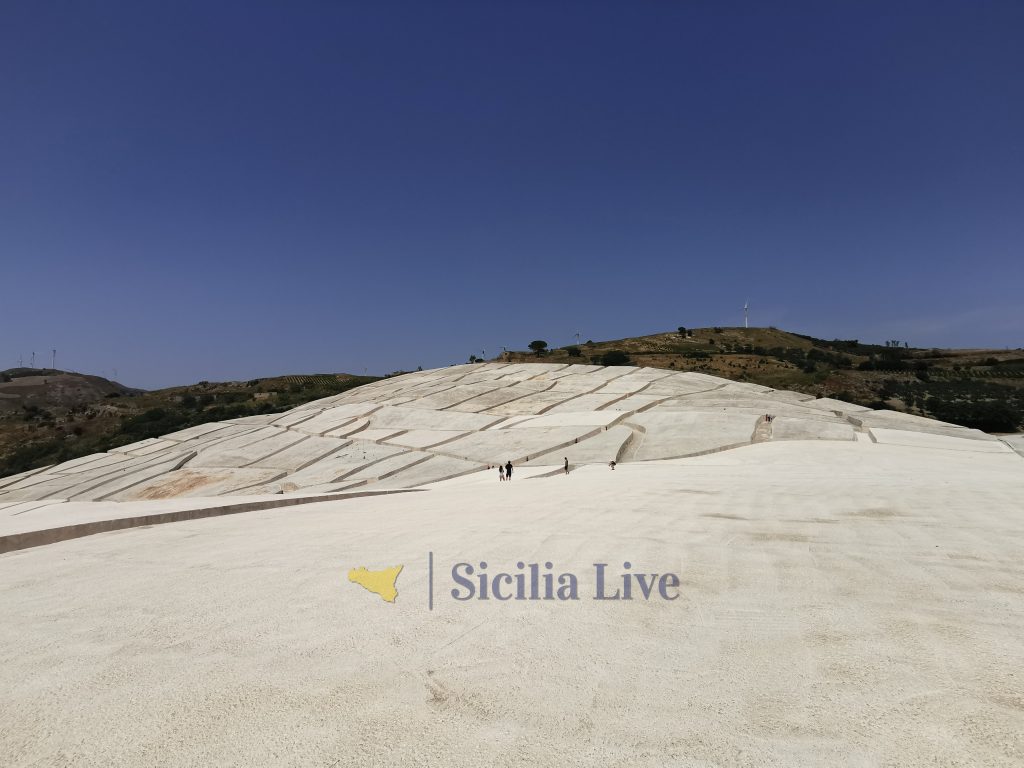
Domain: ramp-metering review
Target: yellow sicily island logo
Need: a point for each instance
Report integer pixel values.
(379, 582)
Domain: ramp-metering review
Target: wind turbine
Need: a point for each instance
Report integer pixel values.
(746, 307)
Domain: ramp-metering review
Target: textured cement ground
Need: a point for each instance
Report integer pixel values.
(430, 426)
(842, 603)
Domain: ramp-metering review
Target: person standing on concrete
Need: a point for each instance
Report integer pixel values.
(501, 473)
(567, 465)
(508, 471)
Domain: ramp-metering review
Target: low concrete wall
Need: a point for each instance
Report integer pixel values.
(16, 541)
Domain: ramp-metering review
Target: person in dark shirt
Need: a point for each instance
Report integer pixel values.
(508, 471)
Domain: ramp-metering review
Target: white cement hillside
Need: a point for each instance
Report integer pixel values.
(462, 419)
(851, 584)
(842, 604)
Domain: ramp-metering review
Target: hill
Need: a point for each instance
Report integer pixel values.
(426, 427)
(51, 388)
(978, 388)
(48, 416)
(719, 553)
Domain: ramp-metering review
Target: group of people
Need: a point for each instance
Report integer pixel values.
(505, 470)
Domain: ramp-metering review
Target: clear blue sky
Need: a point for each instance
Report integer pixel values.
(224, 190)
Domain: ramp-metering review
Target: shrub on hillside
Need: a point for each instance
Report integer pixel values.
(988, 416)
(615, 357)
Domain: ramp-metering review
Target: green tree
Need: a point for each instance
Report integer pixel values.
(538, 347)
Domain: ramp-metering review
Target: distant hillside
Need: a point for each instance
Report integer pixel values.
(980, 388)
(50, 388)
(48, 416)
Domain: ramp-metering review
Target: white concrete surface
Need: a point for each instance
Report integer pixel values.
(347, 459)
(1016, 442)
(937, 441)
(909, 422)
(668, 434)
(789, 428)
(451, 412)
(600, 449)
(851, 584)
(831, 404)
(536, 402)
(553, 419)
(199, 481)
(301, 454)
(240, 454)
(841, 604)
(417, 418)
(90, 463)
(424, 438)
(499, 445)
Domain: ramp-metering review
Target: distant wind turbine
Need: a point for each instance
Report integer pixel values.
(746, 307)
